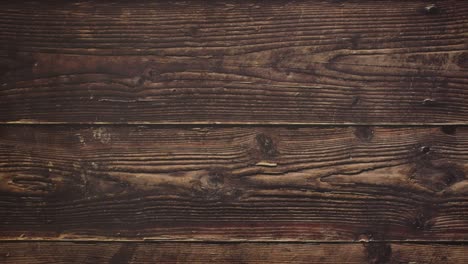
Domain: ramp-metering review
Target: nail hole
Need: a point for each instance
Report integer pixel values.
(425, 149)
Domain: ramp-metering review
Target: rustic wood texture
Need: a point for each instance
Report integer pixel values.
(269, 62)
(216, 131)
(233, 183)
(275, 253)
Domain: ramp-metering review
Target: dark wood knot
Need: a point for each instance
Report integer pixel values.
(267, 146)
(431, 9)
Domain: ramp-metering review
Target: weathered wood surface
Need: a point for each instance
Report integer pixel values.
(129, 185)
(275, 253)
(233, 183)
(309, 62)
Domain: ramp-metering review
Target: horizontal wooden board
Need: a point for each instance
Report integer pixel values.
(233, 183)
(133, 253)
(262, 62)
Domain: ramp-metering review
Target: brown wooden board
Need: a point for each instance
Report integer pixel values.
(233, 183)
(234, 62)
(275, 253)
(233, 131)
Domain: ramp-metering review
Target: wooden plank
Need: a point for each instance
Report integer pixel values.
(95, 252)
(262, 62)
(233, 183)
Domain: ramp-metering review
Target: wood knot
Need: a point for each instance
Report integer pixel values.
(267, 146)
(422, 218)
(364, 133)
(436, 177)
(429, 102)
(425, 149)
(217, 184)
(420, 222)
(151, 74)
(431, 9)
(377, 252)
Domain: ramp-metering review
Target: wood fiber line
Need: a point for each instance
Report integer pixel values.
(233, 183)
(261, 62)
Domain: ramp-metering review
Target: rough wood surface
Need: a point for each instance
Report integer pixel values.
(275, 253)
(133, 165)
(311, 62)
(233, 183)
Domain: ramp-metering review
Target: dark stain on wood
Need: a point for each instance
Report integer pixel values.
(124, 254)
(364, 133)
(378, 253)
(449, 130)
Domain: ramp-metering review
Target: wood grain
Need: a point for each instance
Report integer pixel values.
(233, 183)
(116, 253)
(258, 62)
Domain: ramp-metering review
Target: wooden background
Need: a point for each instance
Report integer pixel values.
(234, 131)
